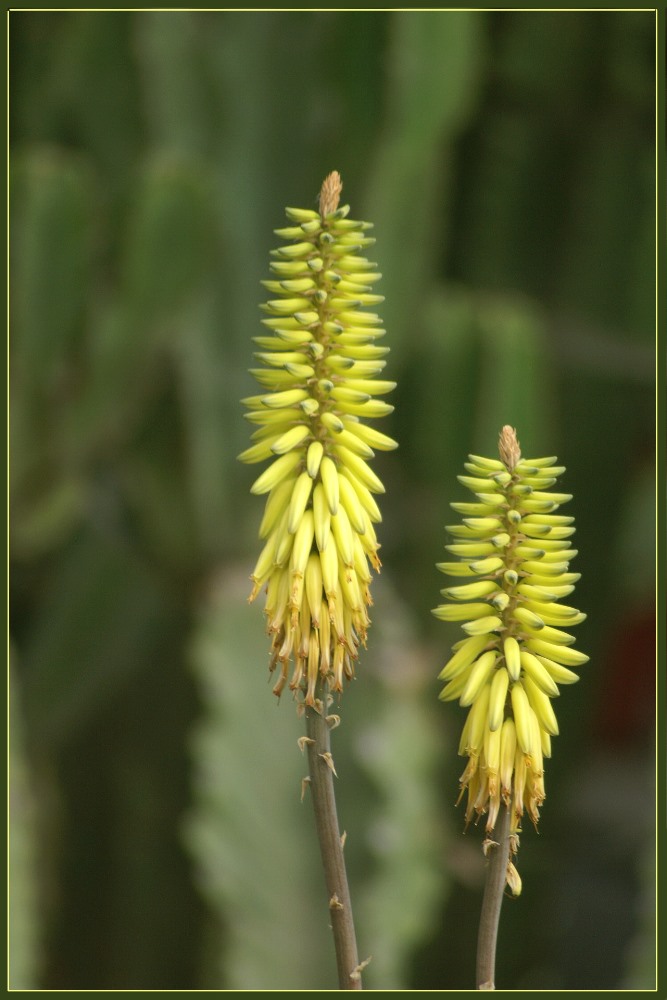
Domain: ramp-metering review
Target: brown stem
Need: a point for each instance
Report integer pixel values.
(331, 848)
(496, 874)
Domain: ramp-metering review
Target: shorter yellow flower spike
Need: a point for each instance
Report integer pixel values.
(514, 552)
(320, 357)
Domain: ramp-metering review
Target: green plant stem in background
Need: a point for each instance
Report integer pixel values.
(498, 852)
(331, 847)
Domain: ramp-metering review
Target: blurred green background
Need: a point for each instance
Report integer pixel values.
(507, 161)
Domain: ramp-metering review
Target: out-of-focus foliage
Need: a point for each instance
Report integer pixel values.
(507, 161)
(257, 861)
(24, 925)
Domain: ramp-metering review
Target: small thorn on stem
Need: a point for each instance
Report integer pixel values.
(303, 742)
(328, 760)
(335, 903)
(305, 782)
(356, 972)
(343, 838)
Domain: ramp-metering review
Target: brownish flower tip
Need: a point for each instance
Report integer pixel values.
(330, 194)
(508, 446)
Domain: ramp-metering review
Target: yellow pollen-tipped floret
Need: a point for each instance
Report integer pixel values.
(320, 360)
(514, 553)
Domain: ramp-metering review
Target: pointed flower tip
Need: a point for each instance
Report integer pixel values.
(509, 448)
(330, 193)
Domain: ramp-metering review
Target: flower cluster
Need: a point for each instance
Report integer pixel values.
(321, 357)
(514, 552)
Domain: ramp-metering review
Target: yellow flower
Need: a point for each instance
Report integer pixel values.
(513, 554)
(321, 358)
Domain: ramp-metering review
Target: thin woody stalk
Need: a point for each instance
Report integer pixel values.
(331, 848)
(498, 852)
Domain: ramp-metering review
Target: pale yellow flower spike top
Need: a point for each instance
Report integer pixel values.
(321, 357)
(516, 550)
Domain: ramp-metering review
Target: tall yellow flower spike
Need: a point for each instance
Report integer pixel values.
(321, 358)
(513, 553)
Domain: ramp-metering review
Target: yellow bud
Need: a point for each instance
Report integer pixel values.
(499, 686)
(313, 458)
(454, 690)
(352, 505)
(538, 673)
(360, 561)
(276, 472)
(286, 398)
(298, 502)
(359, 468)
(513, 879)
(559, 653)
(541, 705)
(470, 591)
(329, 563)
(559, 673)
(276, 505)
(490, 565)
(264, 564)
(329, 476)
(313, 585)
(372, 437)
(507, 755)
(492, 750)
(366, 498)
(257, 453)
(303, 541)
(353, 444)
(479, 675)
(528, 618)
(459, 612)
(483, 626)
(520, 709)
(478, 721)
(342, 532)
(285, 541)
(464, 656)
(321, 516)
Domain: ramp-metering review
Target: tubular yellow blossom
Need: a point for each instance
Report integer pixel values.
(320, 355)
(514, 552)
